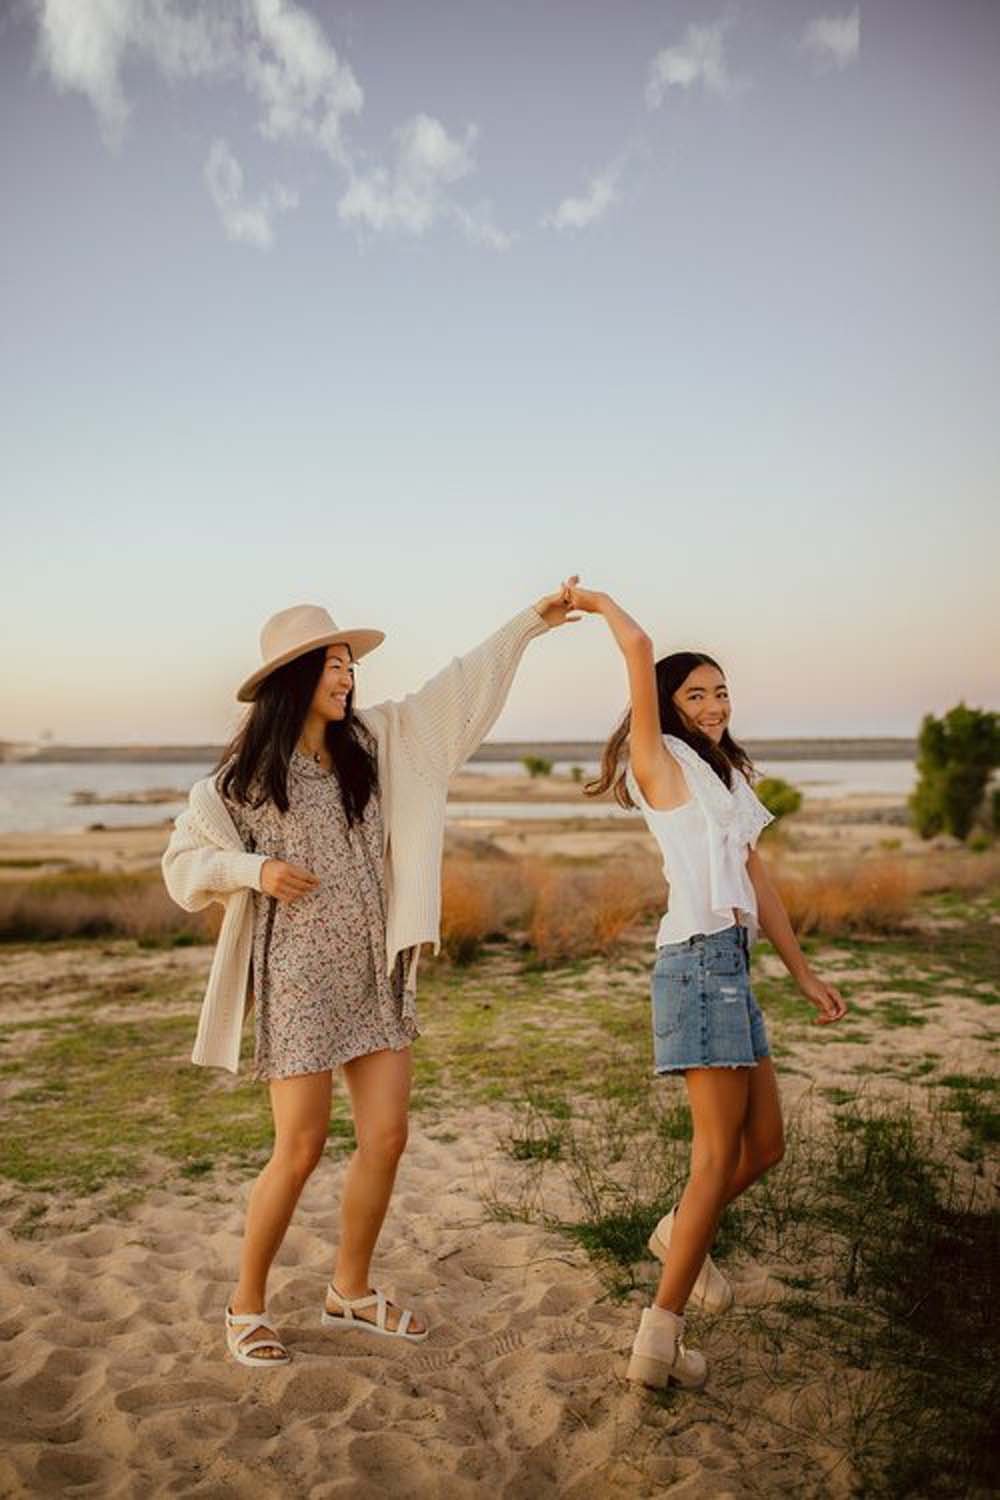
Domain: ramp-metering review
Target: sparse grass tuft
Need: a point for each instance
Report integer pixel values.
(890, 1270)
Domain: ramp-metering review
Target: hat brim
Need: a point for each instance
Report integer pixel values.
(360, 642)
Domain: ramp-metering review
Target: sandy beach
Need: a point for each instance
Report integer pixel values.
(126, 1174)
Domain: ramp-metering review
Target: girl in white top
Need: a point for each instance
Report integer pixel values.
(673, 757)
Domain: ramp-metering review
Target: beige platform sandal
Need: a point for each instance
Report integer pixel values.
(378, 1300)
(659, 1354)
(248, 1354)
(711, 1292)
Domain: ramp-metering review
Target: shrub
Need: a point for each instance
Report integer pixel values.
(955, 758)
(576, 913)
(576, 773)
(779, 797)
(467, 908)
(81, 905)
(873, 895)
(536, 765)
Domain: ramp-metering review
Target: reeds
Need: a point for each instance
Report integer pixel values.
(559, 910)
(93, 904)
(872, 895)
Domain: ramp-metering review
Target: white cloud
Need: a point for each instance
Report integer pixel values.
(834, 40)
(249, 223)
(479, 228)
(413, 193)
(303, 88)
(303, 91)
(577, 213)
(699, 58)
(297, 76)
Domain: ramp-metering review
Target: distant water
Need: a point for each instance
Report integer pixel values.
(38, 798)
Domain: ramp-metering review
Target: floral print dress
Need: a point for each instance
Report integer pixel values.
(322, 993)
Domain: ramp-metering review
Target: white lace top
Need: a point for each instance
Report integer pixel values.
(704, 844)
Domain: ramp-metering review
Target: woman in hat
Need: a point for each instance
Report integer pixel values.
(321, 834)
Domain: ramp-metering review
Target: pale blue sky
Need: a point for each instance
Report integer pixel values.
(697, 300)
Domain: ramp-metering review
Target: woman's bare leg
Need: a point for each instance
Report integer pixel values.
(301, 1110)
(762, 1144)
(719, 1099)
(379, 1086)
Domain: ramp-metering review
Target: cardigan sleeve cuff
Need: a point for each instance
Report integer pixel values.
(528, 624)
(246, 869)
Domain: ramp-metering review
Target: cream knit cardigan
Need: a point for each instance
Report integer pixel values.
(421, 742)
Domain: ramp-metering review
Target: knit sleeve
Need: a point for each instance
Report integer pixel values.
(197, 872)
(451, 714)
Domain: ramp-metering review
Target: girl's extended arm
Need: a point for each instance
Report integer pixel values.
(659, 776)
(775, 923)
(453, 712)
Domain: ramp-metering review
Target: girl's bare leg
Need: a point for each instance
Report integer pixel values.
(719, 1099)
(762, 1144)
(301, 1110)
(379, 1086)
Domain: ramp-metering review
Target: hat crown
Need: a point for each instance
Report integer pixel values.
(293, 627)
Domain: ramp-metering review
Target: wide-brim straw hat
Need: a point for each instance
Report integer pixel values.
(293, 632)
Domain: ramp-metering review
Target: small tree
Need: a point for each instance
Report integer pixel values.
(956, 756)
(779, 797)
(536, 765)
(576, 772)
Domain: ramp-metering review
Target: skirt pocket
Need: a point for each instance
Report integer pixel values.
(670, 992)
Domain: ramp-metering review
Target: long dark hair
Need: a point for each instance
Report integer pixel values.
(254, 765)
(724, 758)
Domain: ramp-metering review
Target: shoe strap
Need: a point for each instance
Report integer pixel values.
(240, 1320)
(371, 1299)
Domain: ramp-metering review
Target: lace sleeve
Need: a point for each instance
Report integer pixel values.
(754, 816)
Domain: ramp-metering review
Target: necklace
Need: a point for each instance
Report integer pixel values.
(313, 754)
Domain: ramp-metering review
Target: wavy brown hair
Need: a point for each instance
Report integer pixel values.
(724, 758)
(254, 765)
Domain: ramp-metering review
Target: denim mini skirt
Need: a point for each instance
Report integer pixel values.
(704, 1011)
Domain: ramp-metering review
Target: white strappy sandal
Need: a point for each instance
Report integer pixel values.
(246, 1353)
(378, 1300)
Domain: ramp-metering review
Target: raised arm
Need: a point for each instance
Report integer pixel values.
(450, 716)
(660, 778)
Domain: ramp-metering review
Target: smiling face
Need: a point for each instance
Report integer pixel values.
(336, 681)
(703, 702)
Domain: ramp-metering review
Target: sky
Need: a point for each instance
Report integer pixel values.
(412, 310)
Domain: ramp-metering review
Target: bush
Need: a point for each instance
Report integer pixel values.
(576, 913)
(536, 765)
(86, 905)
(874, 895)
(955, 758)
(779, 797)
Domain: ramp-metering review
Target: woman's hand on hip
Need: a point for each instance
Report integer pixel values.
(828, 1001)
(555, 608)
(286, 882)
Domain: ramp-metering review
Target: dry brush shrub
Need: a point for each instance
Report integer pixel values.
(957, 870)
(576, 913)
(479, 898)
(79, 905)
(874, 895)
